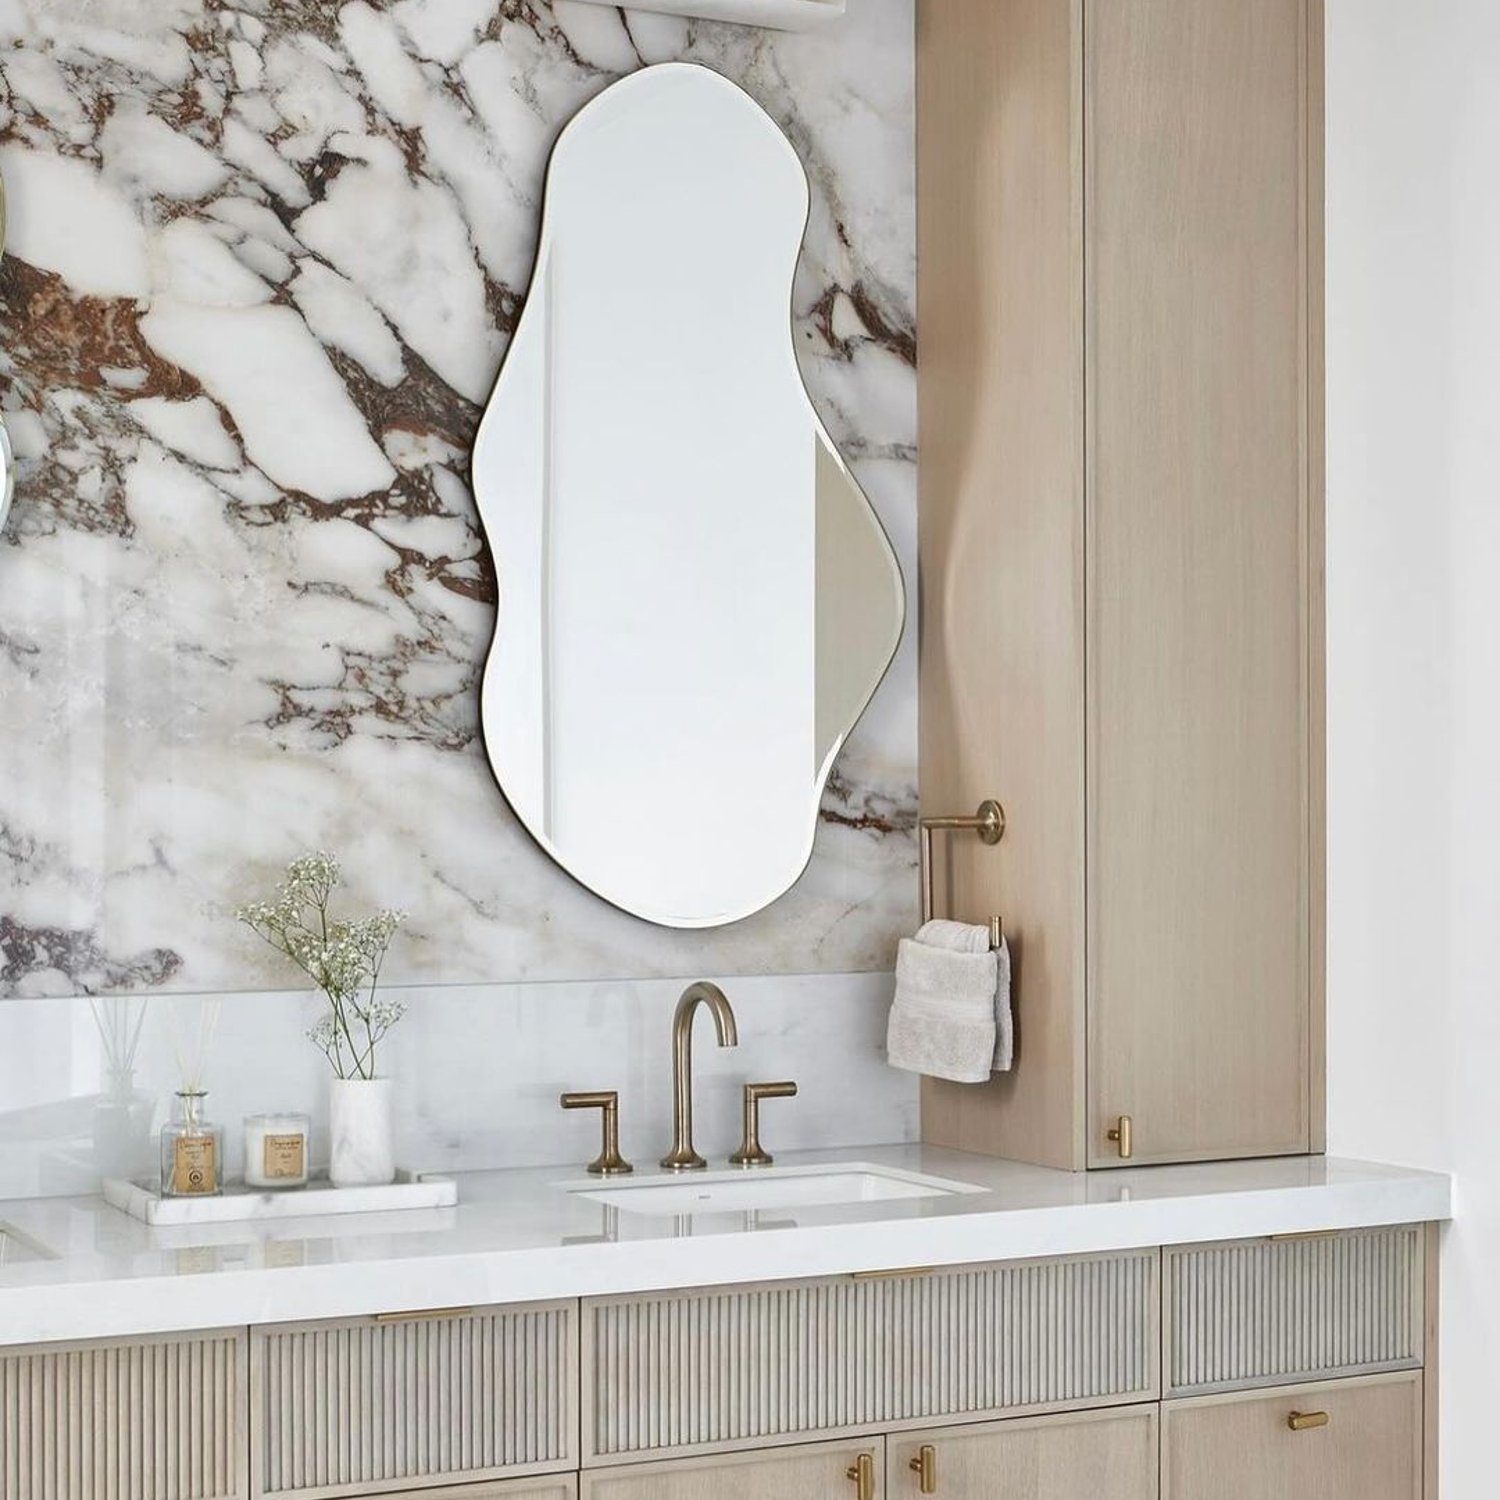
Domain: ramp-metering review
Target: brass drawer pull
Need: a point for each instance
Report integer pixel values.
(1305, 1421)
(924, 1466)
(862, 1473)
(423, 1315)
(1123, 1136)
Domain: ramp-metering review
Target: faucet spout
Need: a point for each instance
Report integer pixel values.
(682, 1157)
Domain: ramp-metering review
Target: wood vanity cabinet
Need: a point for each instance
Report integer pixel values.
(817, 1472)
(1355, 1440)
(1065, 1378)
(382, 1405)
(1120, 372)
(1087, 1456)
(553, 1487)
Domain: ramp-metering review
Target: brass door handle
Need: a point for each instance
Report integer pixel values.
(751, 1153)
(609, 1162)
(1305, 1421)
(1123, 1135)
(924, 1466)
(862, 1473)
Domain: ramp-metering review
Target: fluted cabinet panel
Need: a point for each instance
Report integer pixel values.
(684, 1372)
(371, 1406)
(153, 1419)
(1258, 1312)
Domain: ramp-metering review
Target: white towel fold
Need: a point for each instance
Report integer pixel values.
(951, 1017)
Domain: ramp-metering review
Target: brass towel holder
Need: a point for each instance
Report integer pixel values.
(988, 823)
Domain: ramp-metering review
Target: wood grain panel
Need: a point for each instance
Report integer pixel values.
(149, 1419)
(1260, 1312)
(552, 1487)
(369, 1406)
(820, 1471)
(1000, 387)
(1079, 1457)
(749, 1366)
(1201, 520)
(1241, 1448)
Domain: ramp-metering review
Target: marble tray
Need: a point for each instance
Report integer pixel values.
(142, 1201)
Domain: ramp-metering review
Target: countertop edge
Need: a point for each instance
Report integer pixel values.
(144, 1306)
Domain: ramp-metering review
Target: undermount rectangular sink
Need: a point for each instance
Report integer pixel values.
(768, 1188)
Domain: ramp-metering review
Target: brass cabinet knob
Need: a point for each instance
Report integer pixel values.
(924, 1466)
(1305, 1421)
(862, 1473)
(609, 1162)
(1123, 1135)
(750, 1153)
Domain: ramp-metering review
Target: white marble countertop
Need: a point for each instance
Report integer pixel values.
(520, 1236)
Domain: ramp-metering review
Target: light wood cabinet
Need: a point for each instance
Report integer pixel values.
(371, 1406)
(725, 1367)
(1121, 533)
(554, 1487)
(139, 1419)
(821, 1388)
(1367, 1444)
(1082, 1457)
(1246, 1313)
(827, 1471)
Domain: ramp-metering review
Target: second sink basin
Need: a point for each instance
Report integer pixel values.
(767, 1188)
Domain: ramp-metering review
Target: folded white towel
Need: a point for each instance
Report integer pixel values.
(951, 1017)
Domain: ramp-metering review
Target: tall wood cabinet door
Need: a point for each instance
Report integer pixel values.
(824, 1471)
(1355, 1440)
(1085, 1456)
(1203, 529)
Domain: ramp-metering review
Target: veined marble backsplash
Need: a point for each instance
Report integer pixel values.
(478, 1072)
(263, 261)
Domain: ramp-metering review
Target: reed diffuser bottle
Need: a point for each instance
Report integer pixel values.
(192, 1151)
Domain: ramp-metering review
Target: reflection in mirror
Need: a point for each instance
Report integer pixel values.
(696, 599)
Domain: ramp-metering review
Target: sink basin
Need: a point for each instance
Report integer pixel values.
(767, 1188)
(16, 1247)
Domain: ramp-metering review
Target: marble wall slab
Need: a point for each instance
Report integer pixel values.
(478, 1072)
(264, 257)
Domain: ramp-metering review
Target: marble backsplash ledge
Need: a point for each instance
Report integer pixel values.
(478, 1069)
(262, 265)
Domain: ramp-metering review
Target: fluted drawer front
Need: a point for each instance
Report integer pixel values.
(371, 1406)
(742, 1366)
(1257, 1312)
(153, 1419)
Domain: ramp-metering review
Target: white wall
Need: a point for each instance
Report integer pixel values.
(1414, 640)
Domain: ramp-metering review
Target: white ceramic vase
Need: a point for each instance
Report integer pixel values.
(360, 1131)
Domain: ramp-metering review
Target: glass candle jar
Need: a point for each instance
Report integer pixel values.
(276, 1151)
(192, 1151)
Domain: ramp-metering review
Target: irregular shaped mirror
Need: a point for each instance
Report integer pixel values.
(696, 599)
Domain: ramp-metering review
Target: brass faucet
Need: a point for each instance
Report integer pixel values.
(682, 1157)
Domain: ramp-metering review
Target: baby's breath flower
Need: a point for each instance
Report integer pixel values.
(341, 958)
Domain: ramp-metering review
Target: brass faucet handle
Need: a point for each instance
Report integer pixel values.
(751, 1153)
(609, 1162)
